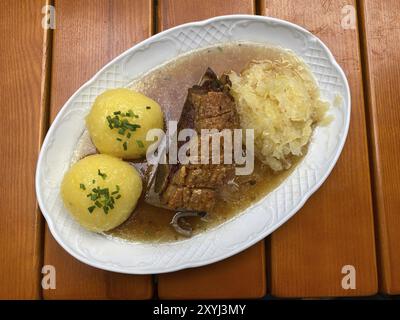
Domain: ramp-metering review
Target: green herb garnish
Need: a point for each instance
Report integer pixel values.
(125, 145)
(131, 114)
(140, 143)
(93, 196)
(103, 175)
(121, 122)
(116, 190)
(82, 186)
(131, 127)
(148, 107)
(98, 204)
(103, 198)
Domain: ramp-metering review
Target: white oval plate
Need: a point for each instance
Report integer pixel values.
(256, 222)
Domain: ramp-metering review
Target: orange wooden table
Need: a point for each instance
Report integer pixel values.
(353, 219)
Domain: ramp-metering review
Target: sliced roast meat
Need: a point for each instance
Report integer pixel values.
(194, 187)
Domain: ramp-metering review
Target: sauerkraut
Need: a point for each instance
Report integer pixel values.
(280, 100)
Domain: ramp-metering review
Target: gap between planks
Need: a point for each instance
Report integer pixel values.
(368, 123)
(43, 128)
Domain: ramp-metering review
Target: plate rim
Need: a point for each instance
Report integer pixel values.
(247, 244)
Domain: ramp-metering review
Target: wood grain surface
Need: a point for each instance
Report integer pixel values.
(382, 56)
(305, 257)
(88, 34)
(242, 276)
(171, 13)
(22, 41)
(335, 227)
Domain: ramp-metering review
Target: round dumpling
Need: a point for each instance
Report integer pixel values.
(119, 121)
(101, 191)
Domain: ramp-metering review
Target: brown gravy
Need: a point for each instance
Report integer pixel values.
(168, 84)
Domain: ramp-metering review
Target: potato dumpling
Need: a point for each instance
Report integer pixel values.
(119, 120)
(101, 191)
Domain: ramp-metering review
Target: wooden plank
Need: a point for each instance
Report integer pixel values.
(242, 276)
(381, 46)
(21, 59)
(89, 34)
(174, 12)
(335, 227)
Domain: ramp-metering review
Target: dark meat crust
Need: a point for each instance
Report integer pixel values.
(194, 186)
(211, 105)
(200, 177)
(193, 199)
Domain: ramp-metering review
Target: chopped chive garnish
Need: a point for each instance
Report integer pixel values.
(98, 204)
(93, 181)
(116, 122)
(103, 175)
(132, 127)
(140, 143)
(148, 107)
(109, 120)
(121, 122)
(94, 197)
(103, 197)
(82, 186)
(131, 114)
